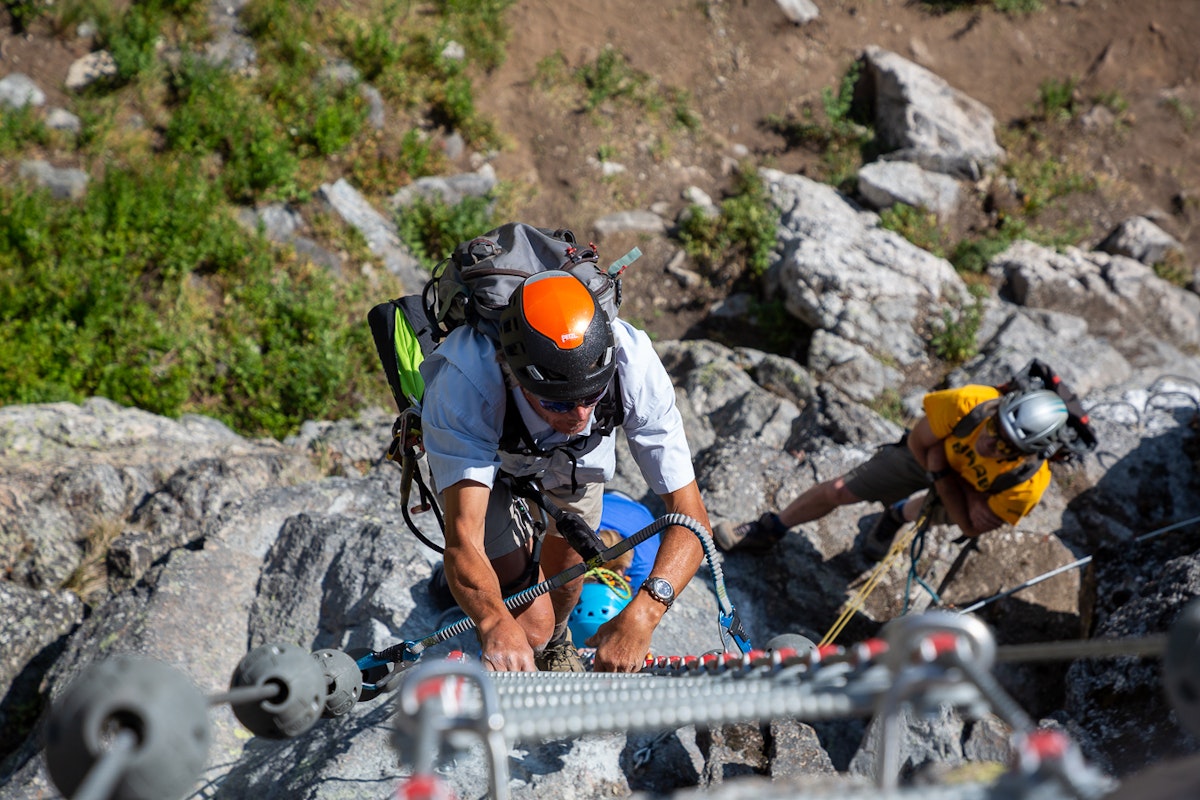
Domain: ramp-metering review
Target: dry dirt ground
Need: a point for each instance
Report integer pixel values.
(742, 62)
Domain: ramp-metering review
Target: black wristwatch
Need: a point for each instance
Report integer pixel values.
(660, 589)
(944, 472)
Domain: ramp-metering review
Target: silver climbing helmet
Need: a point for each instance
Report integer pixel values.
(1031, 420)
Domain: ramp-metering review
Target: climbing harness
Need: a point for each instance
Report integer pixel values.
(392, 661)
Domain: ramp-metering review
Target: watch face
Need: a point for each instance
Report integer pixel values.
(660, 589)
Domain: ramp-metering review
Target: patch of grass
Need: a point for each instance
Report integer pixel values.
(1056, 99)
(181, 309)
(21, 127)
(90, 579)
(842, 137)
(955, 335)
(432, 230)
(217, 112)
(1017, 7)
(889, 405)
(743, 232)
(1114, 101)
(25, 12)
(917, 226)
(1185, 112)
(971, 256)
(1174, 268)
(1042, 175)
(610, 77)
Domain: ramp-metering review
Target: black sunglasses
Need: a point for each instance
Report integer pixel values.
(565, 406)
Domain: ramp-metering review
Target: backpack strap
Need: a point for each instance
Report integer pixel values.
(1006, 480)
(974, 418)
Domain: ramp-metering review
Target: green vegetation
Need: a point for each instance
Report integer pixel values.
(1011, 7)
(148, 291)
(744, 231)
(609, 81)
(1174, 268)
(1057, 99)
(917, 226)
(955, 335)
(432, 229)
(844, 137)
(152, 295)
(1184, 111)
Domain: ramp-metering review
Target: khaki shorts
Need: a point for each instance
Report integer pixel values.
(507, 528)
(892, 474)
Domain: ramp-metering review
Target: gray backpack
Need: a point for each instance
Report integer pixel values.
(475, 283)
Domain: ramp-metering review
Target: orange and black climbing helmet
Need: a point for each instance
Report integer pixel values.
(556, 338)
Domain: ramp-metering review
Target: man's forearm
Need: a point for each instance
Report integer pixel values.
(474, 585)
(952, 492)
(680, 552)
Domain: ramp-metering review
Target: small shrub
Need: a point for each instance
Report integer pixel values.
(21, 127)
(431, 230)
(609, 77)
(1185, 112)
(889, 405)
(25, 12)
(1056, 99)
(89, 581)
(745, 229)
(131, 37)
(917, 226)
(954, 340)
(843, 139)
(1174, 269)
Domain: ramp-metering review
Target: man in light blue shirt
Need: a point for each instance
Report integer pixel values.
(546, 403)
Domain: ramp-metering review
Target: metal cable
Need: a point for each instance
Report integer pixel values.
(1146, 646)
(1067, 567)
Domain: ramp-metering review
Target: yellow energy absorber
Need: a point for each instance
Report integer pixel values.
(855, 603)
(408, 360)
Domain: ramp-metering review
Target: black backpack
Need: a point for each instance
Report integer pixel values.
(1076, 439)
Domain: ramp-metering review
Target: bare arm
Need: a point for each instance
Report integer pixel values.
(967, 508)
(474, 583)
(622, 644)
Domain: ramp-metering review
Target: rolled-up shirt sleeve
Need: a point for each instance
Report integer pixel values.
(653, 424)
(461, 419)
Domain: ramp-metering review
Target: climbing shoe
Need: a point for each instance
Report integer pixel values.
(758, 536)
(879, 539)
(560, 656)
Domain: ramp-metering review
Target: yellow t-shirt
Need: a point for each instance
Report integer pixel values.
(943, 410)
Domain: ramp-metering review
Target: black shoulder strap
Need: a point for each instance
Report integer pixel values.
(1015, 476)
(974, 418)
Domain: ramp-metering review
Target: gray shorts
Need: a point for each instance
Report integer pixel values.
(507, 528)
(892, 474)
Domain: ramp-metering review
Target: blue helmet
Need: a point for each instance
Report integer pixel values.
(598, 603)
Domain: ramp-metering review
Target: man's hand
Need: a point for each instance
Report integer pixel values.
(506, 648)
(983, 519)
(623, 643)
